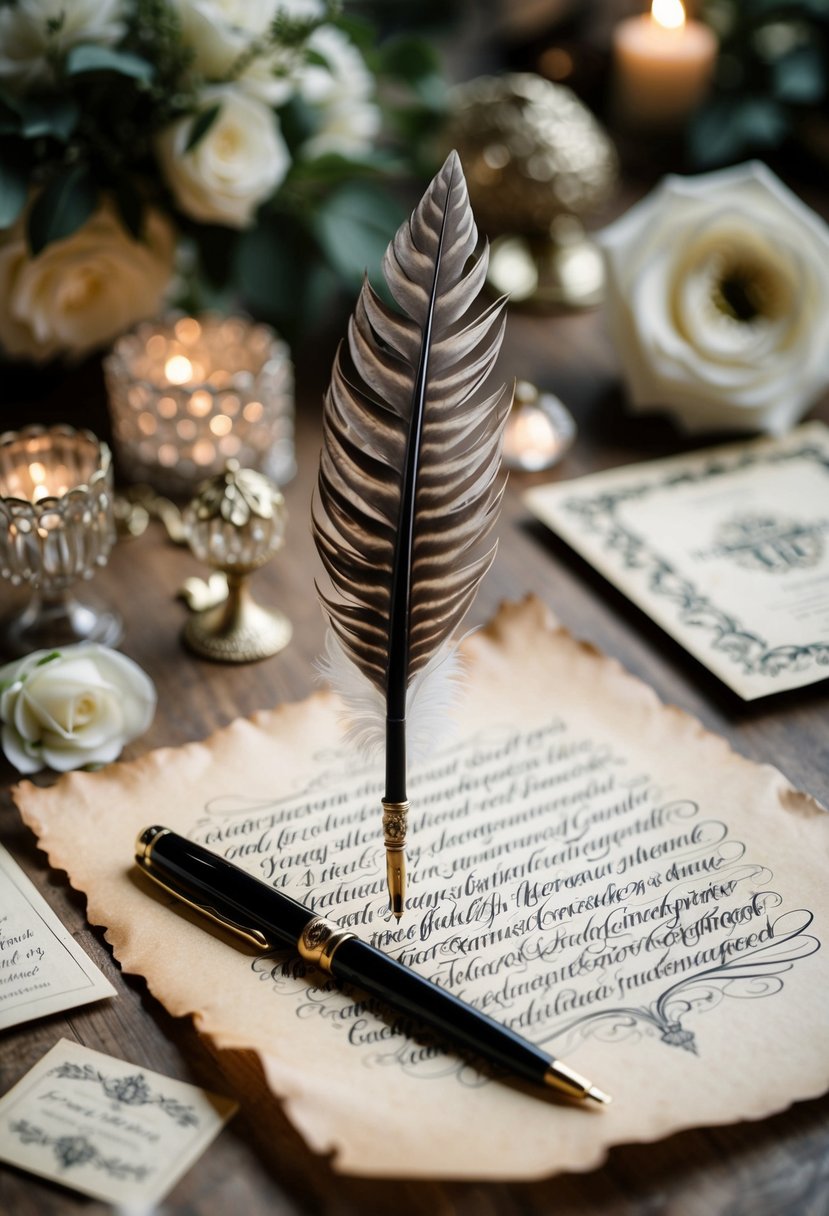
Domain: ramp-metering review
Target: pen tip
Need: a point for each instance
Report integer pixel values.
(597, 1095)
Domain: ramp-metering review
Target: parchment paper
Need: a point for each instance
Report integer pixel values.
(588, 866)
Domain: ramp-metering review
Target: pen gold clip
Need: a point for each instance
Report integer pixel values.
(253, 936)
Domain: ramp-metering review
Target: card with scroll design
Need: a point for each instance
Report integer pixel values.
(727, 549)
(42, 968)
(106, 1128)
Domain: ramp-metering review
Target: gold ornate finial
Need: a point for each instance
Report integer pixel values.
(235, 524)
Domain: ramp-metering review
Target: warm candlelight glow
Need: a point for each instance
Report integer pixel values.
(662, 67)
(178, 369)
(668, 13)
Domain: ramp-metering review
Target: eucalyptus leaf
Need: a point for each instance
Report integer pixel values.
(53, 116)
(353, 225)
(91, 58)
(63, 206)
(800, 76)
(14, 191)
(201, 125)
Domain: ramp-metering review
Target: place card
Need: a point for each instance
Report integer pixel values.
(727, 549)
(106, 1128)
(42, 967)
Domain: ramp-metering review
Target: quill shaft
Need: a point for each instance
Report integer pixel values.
(402, 578)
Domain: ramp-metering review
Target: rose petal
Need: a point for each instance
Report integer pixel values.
(19, 753)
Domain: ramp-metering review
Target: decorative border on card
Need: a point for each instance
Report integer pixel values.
(728, 636)
(131, 1090)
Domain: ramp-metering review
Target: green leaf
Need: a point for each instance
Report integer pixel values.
(316, 59)
(728, 128)
(410, 59)
(353, 225)
(14, 190)
(63, 205)
(90, 58)
(53, 116)
(799, 77)
(48, 658)
(298, 122)
(201, 125)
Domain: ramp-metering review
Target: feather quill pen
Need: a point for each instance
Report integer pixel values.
(410, 485)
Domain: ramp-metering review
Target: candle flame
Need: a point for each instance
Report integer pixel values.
(178, 369)
(669, 14)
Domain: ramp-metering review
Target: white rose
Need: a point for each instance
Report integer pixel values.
(70, 708)
(32, 31)
(234, 167)
(718, 301)
(220, 32)
(340, 93)
(81, 292)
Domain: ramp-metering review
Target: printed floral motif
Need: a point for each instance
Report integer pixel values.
(131, 1090)
(73, 1151)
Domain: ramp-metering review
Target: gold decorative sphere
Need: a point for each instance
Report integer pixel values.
(531, 151)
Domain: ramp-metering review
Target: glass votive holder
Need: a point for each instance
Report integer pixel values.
(188, 393)
(56, 528)
(539, 431)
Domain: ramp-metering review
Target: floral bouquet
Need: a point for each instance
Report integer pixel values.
(232, 142)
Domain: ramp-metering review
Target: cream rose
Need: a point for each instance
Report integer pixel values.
(32, 31)
(234, 167)
(220, 32)
(718, 301)
(340, 93)
(81, 292)
(71, 708)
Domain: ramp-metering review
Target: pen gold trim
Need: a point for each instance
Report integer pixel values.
(226, 894)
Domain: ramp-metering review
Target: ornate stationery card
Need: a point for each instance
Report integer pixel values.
(106, 1128)
(588, 866)
(727, 549)
(42, 967)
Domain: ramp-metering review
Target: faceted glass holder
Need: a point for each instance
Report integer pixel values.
(56, 529)
(186, 394)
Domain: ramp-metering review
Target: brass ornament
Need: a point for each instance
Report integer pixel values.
(536, 162)
(235, 524)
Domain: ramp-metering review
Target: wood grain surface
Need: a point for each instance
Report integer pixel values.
(259, 1164)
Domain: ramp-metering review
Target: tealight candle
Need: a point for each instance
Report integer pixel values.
(663, 65)
(56, 529)
(188, 393)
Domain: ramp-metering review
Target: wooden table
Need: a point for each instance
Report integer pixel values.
(259, 1164)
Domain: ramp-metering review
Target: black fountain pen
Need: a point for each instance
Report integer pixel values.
(269, 919)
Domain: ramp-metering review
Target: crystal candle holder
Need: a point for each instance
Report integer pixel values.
(187, 394)
(56, 529)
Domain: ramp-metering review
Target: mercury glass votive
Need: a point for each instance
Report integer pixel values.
(187, 394)
(56, 529)
(539, 431)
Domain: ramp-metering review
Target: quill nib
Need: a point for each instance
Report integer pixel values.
(394, 838)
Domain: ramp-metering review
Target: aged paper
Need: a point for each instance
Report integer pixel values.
(42, 967)
(727, 549)
(587, 866)
(106, 1128)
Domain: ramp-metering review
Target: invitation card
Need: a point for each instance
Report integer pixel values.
(727, 549)
(42, 968)
(106, 1128)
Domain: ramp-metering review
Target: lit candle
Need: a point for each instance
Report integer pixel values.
(663, 65)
